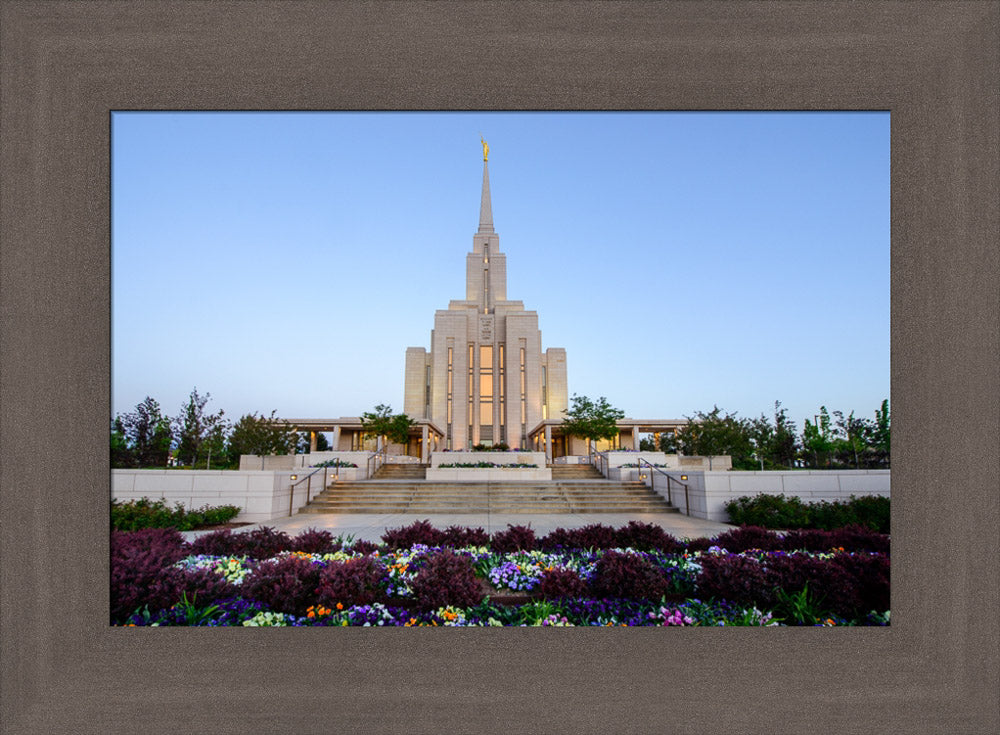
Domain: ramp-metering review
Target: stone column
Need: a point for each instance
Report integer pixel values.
(336, 438)
(548, 444)
(312, 442)
(423, 444)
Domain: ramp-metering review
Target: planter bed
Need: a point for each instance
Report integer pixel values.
(265, 578)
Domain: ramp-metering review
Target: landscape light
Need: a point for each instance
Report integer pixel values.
(684, 477)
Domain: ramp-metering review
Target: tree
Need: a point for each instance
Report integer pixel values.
(591, 420)
(775, 444)
(786, 443)
(714, 433)
(260, 435)
(879, 435)
(818, 438)
(146, 435)
(849, 444)
(121, 454)
(383, 423)
(194, 427)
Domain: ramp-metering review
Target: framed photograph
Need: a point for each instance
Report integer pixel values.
(66, 67)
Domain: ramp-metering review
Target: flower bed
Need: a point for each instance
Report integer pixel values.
(636, 575)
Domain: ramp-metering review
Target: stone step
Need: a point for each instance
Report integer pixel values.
(515, 509)
(558, 496)
(445, 494)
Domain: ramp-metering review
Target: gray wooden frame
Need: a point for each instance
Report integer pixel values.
(64, 66)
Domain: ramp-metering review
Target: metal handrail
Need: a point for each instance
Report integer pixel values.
(375, 457)
(687, 499)
(291, 492)
(602, 463)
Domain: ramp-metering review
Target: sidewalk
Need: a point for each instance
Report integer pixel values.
(370, 527)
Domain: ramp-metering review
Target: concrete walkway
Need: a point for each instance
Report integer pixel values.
(370, 527)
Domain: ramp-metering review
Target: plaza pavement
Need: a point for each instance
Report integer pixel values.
(371, 526)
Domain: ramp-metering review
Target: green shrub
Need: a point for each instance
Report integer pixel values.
(145, 513)
(768, 511)
(777, 511)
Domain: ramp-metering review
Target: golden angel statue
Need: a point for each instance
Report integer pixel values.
(486, 147)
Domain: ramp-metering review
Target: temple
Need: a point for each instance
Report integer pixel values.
(485, 379)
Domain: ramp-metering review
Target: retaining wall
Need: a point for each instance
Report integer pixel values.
(710, 491)
(260, 495)
(439, 458)
(496, 474)
(259, 462)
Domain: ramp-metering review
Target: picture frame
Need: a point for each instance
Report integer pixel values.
(66, 66)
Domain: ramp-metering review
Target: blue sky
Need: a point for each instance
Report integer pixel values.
(285, 261)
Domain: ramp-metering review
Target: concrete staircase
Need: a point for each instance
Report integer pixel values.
(423, 497)
(575, 472)
(390, 471)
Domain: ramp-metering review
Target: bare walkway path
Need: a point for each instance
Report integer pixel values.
(370, 527)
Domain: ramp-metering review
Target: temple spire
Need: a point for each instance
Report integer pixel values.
(485, 207)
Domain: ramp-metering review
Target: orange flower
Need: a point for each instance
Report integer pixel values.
(340, 606)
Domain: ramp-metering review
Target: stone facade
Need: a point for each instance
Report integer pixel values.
(485, 379)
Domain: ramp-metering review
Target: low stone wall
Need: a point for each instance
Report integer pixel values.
(261, 496)
(439, 458)
(496, 474)
(630, 474)
(616, 459)
(289, 462)
(709, 492)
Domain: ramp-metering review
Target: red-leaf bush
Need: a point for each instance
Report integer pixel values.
(595, 536)
(735, 578)
(833, 588)
(870, 573)
(202, 587)
(460, 536)
(647, 537)
(748, 537)
(214, 543)
(860, 538)
(697, 544)
(848, 585)
(628, 575)
(446, 578)
(363, 547)
(515, 538)
(560, 538)
(808, 539)
(315, 541)
(284, 585)
(418, 532)
(849, 538)
(357, 581)
(261, 543)
(556, 583)
(138, 559)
